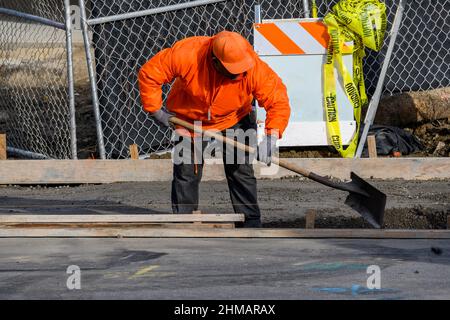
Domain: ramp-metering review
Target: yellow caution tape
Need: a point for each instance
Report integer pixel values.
(314, 9)
(364, 23)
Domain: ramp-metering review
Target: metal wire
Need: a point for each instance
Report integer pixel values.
(35, 103)
(420, 60)
(122, 46)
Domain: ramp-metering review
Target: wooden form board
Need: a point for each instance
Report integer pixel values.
(2, 146)
(372, 146)
(109, 171)
(125, 218)
(200, 232)
(108, 225)
(310, 218)
(134, 152)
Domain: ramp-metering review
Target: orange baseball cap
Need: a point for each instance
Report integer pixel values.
(233, 51)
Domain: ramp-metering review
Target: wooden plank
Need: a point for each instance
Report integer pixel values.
(367, 168)
(310, 218)
(120, 218)
(222, 233)
(64, 205)
(197, 212)
(134, 152)
(372, 146)
(2, 146)
(109, 171)
(171, 225)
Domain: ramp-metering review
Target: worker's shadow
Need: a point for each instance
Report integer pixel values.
(17, 205)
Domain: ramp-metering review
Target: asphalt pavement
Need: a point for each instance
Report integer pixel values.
(224, 269)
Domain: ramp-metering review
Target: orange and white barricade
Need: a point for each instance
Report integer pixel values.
(296, 50)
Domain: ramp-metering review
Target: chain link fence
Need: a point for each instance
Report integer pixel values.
(420, 60)
(35, 98)
(121, 47)
(34, 93)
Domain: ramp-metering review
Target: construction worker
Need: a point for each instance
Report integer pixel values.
(216, 80)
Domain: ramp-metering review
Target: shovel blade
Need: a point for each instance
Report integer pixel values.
(371, 207)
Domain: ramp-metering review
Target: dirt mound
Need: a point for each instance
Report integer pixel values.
(425, 114)
(411, 108)
(435, 136)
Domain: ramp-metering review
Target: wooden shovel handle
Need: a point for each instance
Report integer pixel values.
(281, 162)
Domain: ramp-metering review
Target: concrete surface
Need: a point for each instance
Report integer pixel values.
(223, 269)
(229, 268)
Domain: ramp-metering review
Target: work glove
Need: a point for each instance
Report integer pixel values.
(267, 148)
(162, 116)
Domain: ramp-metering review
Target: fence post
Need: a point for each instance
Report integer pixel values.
(258, 18)
(70, 81)
(306, 9)
(93, 80)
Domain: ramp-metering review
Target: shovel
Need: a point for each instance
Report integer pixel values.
(363, 197)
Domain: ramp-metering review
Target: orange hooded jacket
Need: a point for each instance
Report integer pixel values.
(201, 93)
